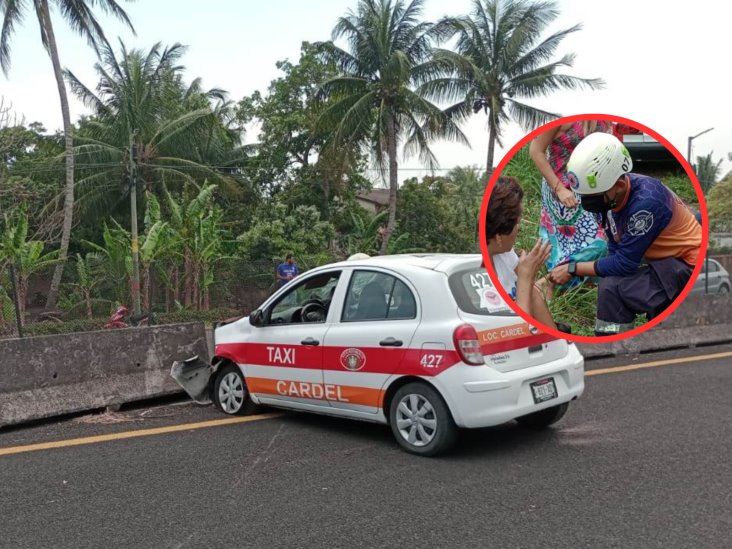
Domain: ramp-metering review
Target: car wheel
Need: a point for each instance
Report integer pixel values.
(724, 289)
(421, 421)
(230, 392)
(543, 418)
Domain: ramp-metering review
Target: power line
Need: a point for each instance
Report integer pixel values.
(226, 168)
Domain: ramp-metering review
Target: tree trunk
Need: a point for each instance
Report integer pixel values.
(196, 286)
(22, 296)
(176, 284)
(491, 146)
(130, 292)
(326, 195)
(168, 292)
(87, 299)
(134, 237)
(146, 288)
(391, 146)
(68, 211)
(206, 294)
(188, 278)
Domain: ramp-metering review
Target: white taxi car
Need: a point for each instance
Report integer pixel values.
(421, 342)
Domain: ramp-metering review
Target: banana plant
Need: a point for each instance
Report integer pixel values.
(365, 234)
(117, 259)
(208, 250)
(88, 270)
(154, 245)
(185, 221)
(27, 256)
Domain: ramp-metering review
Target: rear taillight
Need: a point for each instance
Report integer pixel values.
(467, 345)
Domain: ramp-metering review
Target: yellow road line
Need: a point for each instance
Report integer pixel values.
(656, 363)
(233, 420)
(132, 434)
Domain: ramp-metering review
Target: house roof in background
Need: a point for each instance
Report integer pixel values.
(380, 197)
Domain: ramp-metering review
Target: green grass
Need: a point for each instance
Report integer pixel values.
(577, 306)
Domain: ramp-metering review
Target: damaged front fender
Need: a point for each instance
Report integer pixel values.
(194, 375)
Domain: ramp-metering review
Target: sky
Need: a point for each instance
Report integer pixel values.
(664, 67)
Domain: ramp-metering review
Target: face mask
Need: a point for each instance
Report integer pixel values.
(595, 203)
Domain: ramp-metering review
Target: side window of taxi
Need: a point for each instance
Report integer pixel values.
(378, 296)
(309, 301)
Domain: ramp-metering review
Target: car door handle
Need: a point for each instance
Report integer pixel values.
(391, 342)
(310, 341)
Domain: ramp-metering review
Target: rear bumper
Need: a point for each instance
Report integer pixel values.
(480, 396)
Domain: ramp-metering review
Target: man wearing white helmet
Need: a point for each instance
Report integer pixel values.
(653, 238)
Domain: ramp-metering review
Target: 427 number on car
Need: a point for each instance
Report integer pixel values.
(431, 360)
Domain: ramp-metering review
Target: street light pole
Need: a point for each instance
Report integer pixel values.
(688, 154)
(706, 261)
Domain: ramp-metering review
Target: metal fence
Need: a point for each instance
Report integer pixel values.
(168, 294)
(233, 287)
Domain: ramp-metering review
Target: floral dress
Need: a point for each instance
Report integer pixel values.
(575, 234)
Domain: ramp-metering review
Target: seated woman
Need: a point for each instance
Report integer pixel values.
(517, 274)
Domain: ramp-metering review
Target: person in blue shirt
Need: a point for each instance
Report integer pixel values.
(653, 237)
(286, 271)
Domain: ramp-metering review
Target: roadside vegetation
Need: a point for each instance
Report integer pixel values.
(164, 165)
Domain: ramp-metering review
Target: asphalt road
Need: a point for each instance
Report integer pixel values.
(641, 460)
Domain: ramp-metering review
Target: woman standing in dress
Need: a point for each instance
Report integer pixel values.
(575, 234)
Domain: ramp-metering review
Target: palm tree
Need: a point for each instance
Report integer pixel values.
(467, 186)
(174, 130)
(79, 15)
(373, 99)
(499, 60)
(147, 124)
(707, 171)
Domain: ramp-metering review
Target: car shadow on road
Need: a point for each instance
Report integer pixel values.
(498, 441)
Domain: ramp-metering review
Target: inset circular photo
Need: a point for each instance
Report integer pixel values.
(593, 228)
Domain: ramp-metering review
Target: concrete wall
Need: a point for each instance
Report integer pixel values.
(699, 320)
(47, 376)
(52, 375)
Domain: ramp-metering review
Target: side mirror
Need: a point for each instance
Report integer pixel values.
(256, 318)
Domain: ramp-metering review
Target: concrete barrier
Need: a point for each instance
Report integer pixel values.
(699, 320)
(47, 376)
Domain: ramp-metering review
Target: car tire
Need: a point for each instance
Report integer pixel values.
(543, 418)
(230, 393)
(724, 289)
(421, 421)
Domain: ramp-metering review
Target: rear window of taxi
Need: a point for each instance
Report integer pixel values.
(475, 294)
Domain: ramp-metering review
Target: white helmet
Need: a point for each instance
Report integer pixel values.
(597, 162)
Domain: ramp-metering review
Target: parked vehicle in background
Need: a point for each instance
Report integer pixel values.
(719, 282)
(648, 153)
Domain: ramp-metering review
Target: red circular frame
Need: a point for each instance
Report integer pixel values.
(580, 338)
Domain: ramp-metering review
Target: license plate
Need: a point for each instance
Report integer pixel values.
(543, 390)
